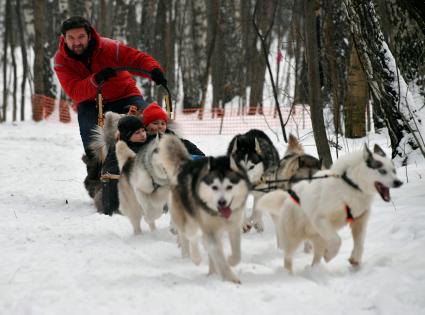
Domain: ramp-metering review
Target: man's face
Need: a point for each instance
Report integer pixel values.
(77, 40)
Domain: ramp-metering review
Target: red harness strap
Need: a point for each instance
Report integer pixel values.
(350, 217)
(294, 197)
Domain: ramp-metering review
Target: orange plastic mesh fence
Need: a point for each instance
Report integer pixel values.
(43, 107)
(230, 121)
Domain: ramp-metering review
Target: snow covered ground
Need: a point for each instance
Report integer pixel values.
(58, 256)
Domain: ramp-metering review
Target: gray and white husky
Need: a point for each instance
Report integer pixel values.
(143, 186)
(207, 199)
(255, 152)
(316, 210)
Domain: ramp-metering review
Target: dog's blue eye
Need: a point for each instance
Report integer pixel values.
(214, 187)
(383, 172)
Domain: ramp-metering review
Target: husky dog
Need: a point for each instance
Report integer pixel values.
(143, 186)
(255, 152)
(295, 164)
(207, 198)
(316, 210)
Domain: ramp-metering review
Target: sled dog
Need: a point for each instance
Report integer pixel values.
(207, 199)
(143, 187)
(255, 152)
(295, 164)
(317, 209)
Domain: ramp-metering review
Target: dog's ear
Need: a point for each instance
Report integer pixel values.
(235, 146)
(366, 152)
(257, 147)
(233, 165)
(370, 161)
(208, 167)
(377, 149)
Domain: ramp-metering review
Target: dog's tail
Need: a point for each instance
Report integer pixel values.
(294, 146)
(123, 153)
(172, 153)
(102, 139)
(272, 202)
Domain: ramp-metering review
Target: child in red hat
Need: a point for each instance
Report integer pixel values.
(156, 120)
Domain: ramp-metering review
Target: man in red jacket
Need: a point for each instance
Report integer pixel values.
(86, 60)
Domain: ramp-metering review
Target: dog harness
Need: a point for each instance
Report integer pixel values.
(296, 199)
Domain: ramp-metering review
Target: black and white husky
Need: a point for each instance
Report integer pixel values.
(207, 199)
(143, 186)
(317, 209)
(255, 152)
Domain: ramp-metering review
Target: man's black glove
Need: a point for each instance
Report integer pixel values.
(158, 77)
(104, 75)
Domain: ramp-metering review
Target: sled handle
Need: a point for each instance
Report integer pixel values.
(168, 104)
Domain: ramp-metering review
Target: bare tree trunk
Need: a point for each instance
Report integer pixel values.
(15, 76)
(120, 20)
(21, 33)
(265, 18)
(39, 15)
(314, 84)
(6, 35)
(336, 54)
(356, 100)
(104, 23)
(298, 52)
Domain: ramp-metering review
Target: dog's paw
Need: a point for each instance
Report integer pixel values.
(233, 260)
(354, 262)
(196, 258)
(332, 249)
(246, 227)
(231, 277)
(259, 227)
(173, 230)
(308, 247)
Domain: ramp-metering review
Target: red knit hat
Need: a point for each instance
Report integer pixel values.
(154, 112)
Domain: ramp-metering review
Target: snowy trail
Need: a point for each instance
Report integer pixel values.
(59, 256)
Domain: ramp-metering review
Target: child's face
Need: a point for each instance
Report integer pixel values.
(157, 126)
(138, 135)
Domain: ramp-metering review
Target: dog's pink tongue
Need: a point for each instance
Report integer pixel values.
(225, 212)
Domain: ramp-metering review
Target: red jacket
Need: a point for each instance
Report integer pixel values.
(78, 81)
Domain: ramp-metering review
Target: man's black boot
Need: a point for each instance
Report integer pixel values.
(109, 178)
(92, 180)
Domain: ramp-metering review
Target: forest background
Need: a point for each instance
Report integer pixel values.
(359, 62)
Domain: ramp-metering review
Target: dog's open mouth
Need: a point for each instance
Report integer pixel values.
(383, 190)
(225, 212)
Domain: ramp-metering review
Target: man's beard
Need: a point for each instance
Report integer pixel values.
(78, 49)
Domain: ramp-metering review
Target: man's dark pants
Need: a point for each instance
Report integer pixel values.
(87, 120)
(88, 111)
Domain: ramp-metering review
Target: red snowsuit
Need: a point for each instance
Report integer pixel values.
(78, 81)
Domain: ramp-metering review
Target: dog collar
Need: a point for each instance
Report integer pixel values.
(349, 181)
